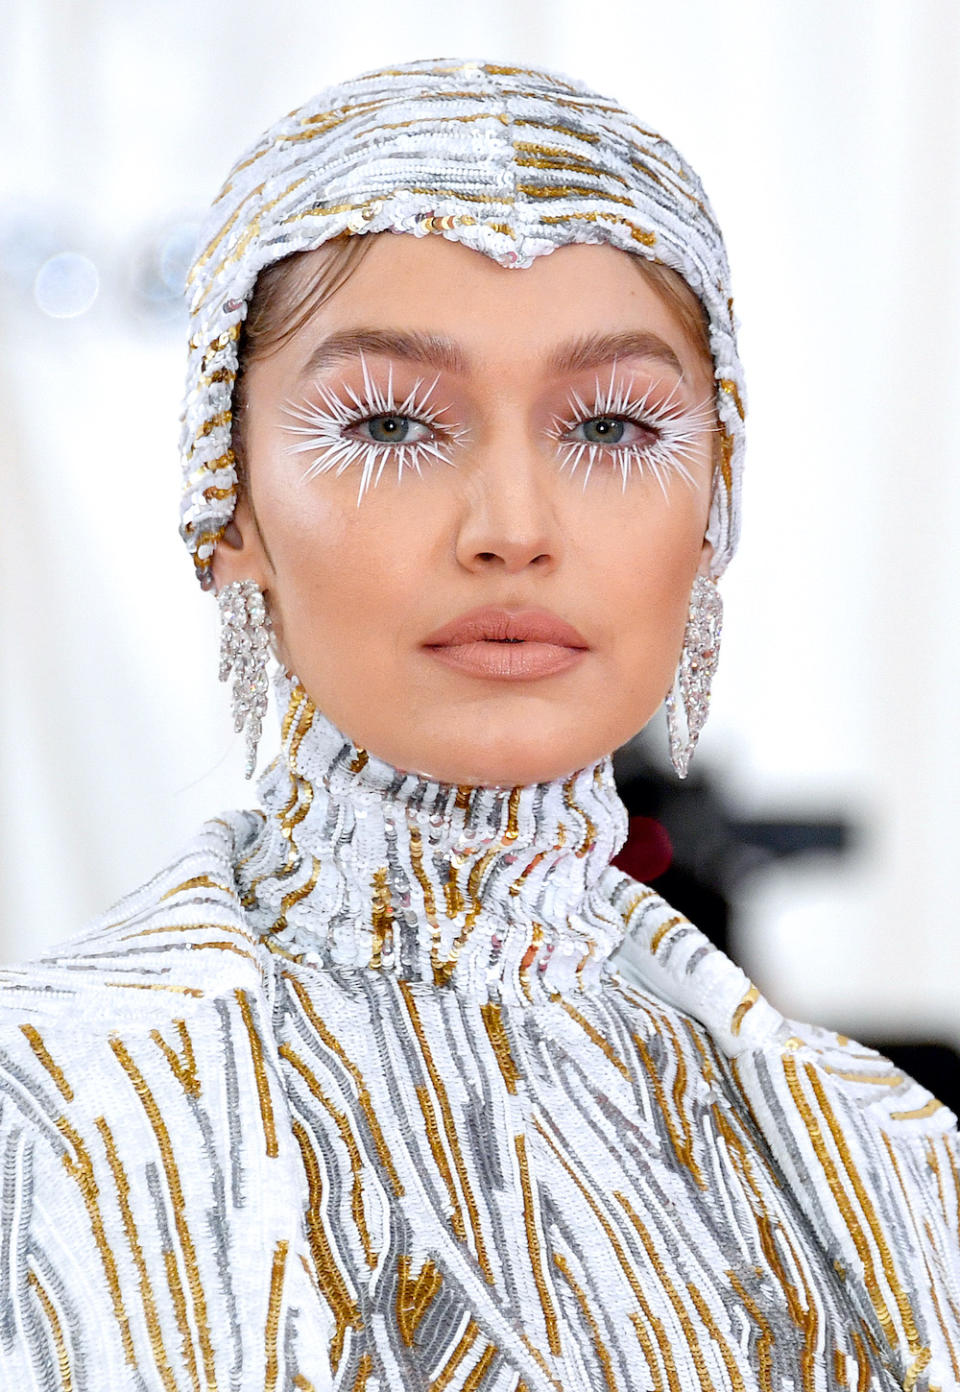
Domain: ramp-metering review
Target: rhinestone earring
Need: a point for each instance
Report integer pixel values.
(695, 672)
(244, 645)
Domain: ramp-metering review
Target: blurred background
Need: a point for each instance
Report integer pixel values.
(823, 819)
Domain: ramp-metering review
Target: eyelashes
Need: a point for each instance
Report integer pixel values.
(649, 432)
(671, 431)
(325, 424)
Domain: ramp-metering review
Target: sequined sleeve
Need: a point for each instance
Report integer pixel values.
(148, 1237)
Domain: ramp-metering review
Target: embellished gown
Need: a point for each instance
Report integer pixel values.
(393, 1085)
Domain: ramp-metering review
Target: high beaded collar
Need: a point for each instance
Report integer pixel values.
(492, 891)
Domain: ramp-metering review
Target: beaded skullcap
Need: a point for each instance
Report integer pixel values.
(510, 161)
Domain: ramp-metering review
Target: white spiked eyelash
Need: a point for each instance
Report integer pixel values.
(679, 426)
(322, 424)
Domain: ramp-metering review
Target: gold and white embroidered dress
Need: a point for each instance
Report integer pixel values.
(398, 1086)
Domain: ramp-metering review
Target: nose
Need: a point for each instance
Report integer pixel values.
(508, 521)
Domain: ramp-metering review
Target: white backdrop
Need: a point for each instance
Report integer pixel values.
(828, 135)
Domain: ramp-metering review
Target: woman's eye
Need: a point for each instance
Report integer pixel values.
(614, 430)
(393, 430)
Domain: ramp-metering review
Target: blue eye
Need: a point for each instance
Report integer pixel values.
(603, 430)
(387, 429)
(393, 429)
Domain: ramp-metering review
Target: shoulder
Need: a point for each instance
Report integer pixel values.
(171, 947)
(870, 1156)
(667, 955)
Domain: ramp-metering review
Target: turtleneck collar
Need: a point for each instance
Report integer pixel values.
(496, 892)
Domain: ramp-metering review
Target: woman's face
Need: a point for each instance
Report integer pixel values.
(505, 602)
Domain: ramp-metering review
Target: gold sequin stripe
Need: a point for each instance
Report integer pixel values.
(363, 1093)
(562, 166)
(450, 1131)
(805, 1317)
(930, 1150)
(36, 1043)
(663, 929)
(955, 1175)
(151, 1318)
(449, 1370)
(259, 1073)
(492, 1017)
(79, 1167)
(576, 163)
(214, 422)
(414, 1295)
(739, 1015)
(294, 897)
(932, 1285)
(346, 1311)
(480, 1369)
(198, 882)
(673, 186)
(534, 1248)
(56, 1329)
(252, 232)
(595, 1037)
(603, 1353)
(841, 1197)
(710, 1324)
(682, 1147)
(863, 1373)
(730, 387)
(342, 1123)
(673, 1295)
(364, 1369)
(840, 1368)
(381, 917)
(766, 1339)
(590, 828)
(206, 926)
(588, 137)
(274, 1304)
(628, 1270)
(302, 710)
(211, 466)
(183, 1069)
(869, 1212)
(440, 1160)
(215, 345)
(177, 1202)
(639, 234)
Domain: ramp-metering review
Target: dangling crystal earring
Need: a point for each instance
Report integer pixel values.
(695, 672)
(244, 644)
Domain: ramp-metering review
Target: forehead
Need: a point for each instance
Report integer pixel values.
(490, 314)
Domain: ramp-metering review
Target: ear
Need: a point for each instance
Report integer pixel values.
(706, 558)
(240, 553)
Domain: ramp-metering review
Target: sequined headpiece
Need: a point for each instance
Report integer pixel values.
(509, 161)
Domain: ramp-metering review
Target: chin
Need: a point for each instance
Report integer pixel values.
(510, 760)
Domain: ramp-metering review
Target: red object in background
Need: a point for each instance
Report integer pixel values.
(647, 852)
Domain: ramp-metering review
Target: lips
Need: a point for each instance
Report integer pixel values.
(493, 625)
(508, 645)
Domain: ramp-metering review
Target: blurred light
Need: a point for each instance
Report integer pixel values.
(66, 285)
(176, 255)
(159, 270)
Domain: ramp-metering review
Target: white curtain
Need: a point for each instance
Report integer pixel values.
(828, 136)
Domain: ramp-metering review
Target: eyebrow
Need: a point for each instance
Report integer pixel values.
(446, 355)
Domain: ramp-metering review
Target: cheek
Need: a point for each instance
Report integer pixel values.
(643, 576)
(340, 567)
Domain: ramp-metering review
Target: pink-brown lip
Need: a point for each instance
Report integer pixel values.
(492, 624)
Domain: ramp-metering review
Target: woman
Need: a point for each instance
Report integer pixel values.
(395, 1082)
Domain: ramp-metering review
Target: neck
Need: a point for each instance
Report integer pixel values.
(493, 891)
